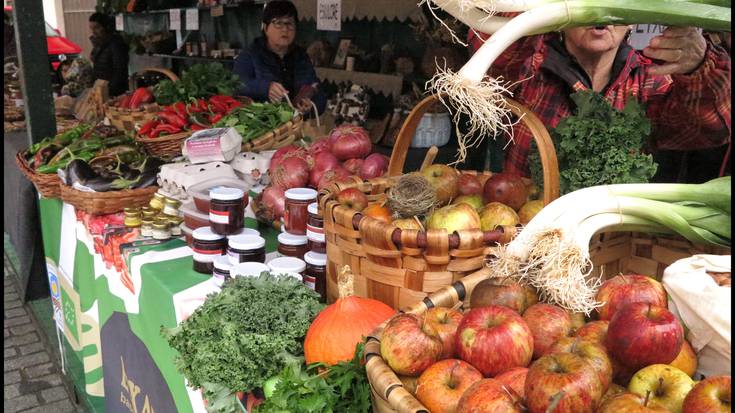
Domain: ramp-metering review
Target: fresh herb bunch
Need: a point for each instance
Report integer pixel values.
(243, 335)
(256, 119)
(199, 81)
(344, 388)
(599, 145)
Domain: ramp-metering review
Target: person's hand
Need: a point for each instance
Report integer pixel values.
(276, 92)
(682, 50)
(304, 105)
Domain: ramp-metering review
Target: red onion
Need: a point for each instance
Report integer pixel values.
(291, 172)
(339, 174)
(273, 200)
(375, 165)
(319, 146)
(349, 141)
(323, 161)
(287, 152)
(353, 165)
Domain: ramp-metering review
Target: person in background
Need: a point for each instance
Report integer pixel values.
(274, 68)
(686, 91)
(109, 53)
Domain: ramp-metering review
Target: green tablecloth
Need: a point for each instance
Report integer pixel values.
(113, 349)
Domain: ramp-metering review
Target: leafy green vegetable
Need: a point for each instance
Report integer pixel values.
(599, 145)
(344, 388)
(199, 81)
(243, 335)
(257, 119)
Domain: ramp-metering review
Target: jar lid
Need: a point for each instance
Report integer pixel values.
(245, 231)
(290, 239)
(131, 210)
(301, 194)
(161, 225)
(206, 234)
(147, 220)
(171, 201)
(286, 265)
(222, 262)
(314, 258)
(248, 269)
(224, 193)
(158, 195)
(313, 208)
(246, 242)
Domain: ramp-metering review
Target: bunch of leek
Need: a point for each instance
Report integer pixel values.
(551, 253)
(470, 92)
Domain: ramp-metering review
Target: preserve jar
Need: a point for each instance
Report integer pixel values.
(245, 231)
(246, 248)
(157, 202)
(171, 206)
(315, 274)
(161, 230)
(149, 212)
(221, 268)
(132, 218)
(290, 245)
(206, 246)
(287, 265)
(295, 215)
(315, 230)
(146, 227)
(248, 269)
(175, 223)
(226, 213)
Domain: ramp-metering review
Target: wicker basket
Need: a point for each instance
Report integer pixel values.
(164, 147)
(101, 203)
(126, 119)
(612, 253)
(402, 269)
(46, 184)
(283, 135)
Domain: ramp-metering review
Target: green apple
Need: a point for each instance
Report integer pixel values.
(495, 213)
(475, 201)
(454, 218)
(667, 384)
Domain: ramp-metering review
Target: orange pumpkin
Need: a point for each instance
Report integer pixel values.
(336, 331)
(378, 211)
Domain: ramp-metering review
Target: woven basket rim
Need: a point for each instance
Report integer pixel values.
(166, 138)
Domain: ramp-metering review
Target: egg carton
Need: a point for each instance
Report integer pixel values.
(175, 178)
(253, 167)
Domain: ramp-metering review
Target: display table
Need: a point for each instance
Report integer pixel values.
(111, 327)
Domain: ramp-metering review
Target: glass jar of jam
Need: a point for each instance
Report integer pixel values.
(248, 269)
(315, 274)
(296, 214)
(149, 213)
(132, 219)
(175, 223)
(287, 265)
(315, 230)
(146, 227)
(226, 212)
(245, 231)
(221, 268)
(161, 230)
(290, 245)
(171, 206)
(157, 202)
(206, 246)
(246, 248)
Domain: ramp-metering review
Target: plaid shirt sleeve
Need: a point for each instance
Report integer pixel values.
(693, 111)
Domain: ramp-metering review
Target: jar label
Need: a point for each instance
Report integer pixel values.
(309, 281)
(205, 255)
(219, 217)
(208, 147)
(318, 230)
(315, 236)
(234, 257)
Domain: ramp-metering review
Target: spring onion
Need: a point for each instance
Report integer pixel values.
(551, 253)
(470, 92)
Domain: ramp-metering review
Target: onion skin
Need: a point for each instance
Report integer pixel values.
(291, 172)
(273, 200)
(339, 174)
(353, 165)
(322, 145)
(287, 152)
(375, 165)
(349, 141)
(323, 162)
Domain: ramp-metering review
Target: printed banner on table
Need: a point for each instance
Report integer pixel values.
(71, 311)
(55, 289)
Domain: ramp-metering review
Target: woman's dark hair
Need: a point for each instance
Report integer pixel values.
(103, 20)
(279, 8)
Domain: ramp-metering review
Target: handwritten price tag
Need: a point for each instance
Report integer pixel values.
(174, 19)
(192, 19)
(329, 15)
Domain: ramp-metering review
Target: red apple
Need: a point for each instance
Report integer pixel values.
(469, 185)
(686, 361)
(409, 345)
(440, 387)
(565, 379)
(444, 180)
(612, 391)
(711, 395)
(515, 379)
(445, 322)
(353, 198)
(488, 396)
(496, 291)
(494, 339)
(507, 189)
(548, 323)
(642, 334)
(630, 403)
(621, 290)
(594, 331)
(593, 353)
(621, 373)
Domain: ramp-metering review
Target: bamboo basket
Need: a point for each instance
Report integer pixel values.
(283, 135)
(399, 267)
(46, 184)
(611, 253)
(101, 203)
(164, 147)
(126, 119)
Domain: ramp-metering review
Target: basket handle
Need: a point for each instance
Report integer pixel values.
(540, 134)
(171, 75)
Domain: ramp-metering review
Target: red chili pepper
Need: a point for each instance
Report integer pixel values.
(169, 109)
(148, 126)
(193, 107)
(215, 118)
(173, 119)
(180, 109)
(203, 105)
(164, 128)
(233, 105)
(196, 127)
(217, 106)
(124, 102)
(140, 96)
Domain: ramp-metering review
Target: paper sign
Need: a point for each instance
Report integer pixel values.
(174, 19)
(643, 33)
(329, 15)
(119, 22)
(55, 288)
(217, 11)
(192, 19)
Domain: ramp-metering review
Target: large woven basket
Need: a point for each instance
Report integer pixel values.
(126, 119)
(46, 184)
(401, 267)
(612, 253)
(164, 147)
(283, 135)
(101, 203)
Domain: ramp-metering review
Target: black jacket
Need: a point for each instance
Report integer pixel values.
(110, 61)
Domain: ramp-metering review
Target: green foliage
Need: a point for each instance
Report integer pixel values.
(244, 334)
(599, 145)
(257, 119)
(199, 81)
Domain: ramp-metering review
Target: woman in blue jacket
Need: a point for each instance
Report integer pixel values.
(274, 66)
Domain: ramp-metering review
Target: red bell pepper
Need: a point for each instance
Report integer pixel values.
(173, 119)
(140, 96)
(148, 126)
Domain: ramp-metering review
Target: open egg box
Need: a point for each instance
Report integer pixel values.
(176, 178)
(252, 167)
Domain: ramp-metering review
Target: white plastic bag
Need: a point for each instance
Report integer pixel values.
(704, 307)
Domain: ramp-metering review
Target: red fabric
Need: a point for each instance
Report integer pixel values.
(687, 111)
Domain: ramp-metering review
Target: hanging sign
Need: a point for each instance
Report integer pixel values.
(329, 15)
(174, 19)
(119, 22)
(192, 19)
(217, 11)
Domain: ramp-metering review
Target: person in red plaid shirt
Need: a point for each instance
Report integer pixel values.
(687, 92)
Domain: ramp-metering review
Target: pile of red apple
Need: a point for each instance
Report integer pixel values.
(510, 353)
